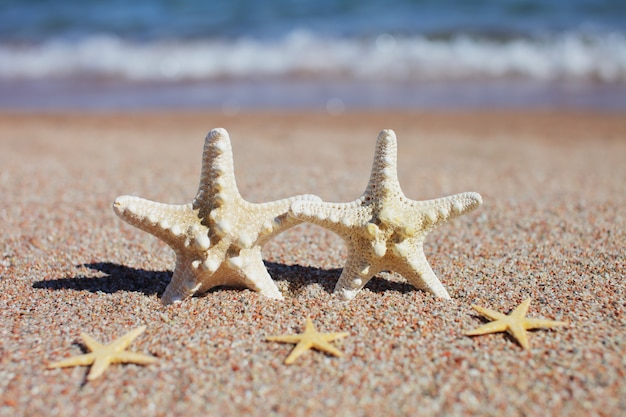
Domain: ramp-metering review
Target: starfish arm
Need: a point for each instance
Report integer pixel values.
(80, 360)
(134, 357)
(167, 222)
(490, 314)
(125, 341)
(287, 338)
(249, 270)
(99, 366)
(274, 216)
(433, 213)
(520, 311)
(516, 329)
(492, 327)
(327, 347)
(297, 351)
(90, 342)
(384, 174)
(336, 217)
(184, 282)
(309, 327)
(416, 269)
(356, 273)
(217, 178)
(329, 337)
(531, 324)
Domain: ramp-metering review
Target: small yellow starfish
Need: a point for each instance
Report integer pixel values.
(311, 338)
(101, 356)
(514, 323)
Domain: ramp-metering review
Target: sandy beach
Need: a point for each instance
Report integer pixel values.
(552, 227)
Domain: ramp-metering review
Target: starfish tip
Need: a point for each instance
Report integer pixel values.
(217, 132)
(346, 294)
(219, 140)
(169, 297)
(471, 200)
(388, 134)
(120, 204)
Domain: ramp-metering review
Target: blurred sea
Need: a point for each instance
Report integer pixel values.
(312, 54)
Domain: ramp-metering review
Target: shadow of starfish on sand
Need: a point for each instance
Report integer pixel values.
(125, 278)
(118, 278)
(299, 277)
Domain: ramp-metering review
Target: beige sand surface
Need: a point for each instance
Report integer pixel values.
(552, 227)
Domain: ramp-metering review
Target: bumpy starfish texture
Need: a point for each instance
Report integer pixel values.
(101, 356)
(217, 237)
(514, 323)
(310, 339)
(383, 229)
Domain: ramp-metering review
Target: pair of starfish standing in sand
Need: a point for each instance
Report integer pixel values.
(218, 237)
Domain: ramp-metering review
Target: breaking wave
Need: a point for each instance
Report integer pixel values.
(558, 57)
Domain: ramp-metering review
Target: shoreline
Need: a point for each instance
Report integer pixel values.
(332, 96)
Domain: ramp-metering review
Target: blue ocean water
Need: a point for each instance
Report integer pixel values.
(311, 53)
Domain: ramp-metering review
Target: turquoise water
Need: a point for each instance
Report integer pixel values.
(38, 20)
(239, 54)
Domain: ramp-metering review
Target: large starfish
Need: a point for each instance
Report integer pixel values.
(383, 229)
(311, 338)
(101, 356)
(217, 237)
(514, 323)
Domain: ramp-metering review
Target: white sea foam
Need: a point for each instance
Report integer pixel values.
(568, 56)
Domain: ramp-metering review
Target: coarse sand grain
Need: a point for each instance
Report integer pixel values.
(552, 227)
